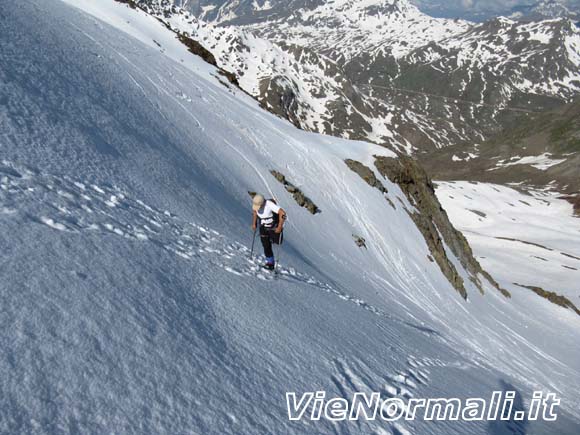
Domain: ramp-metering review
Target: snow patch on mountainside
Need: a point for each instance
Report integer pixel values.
(542, 162)
(530, 239)
(265, 6)
(524, 52)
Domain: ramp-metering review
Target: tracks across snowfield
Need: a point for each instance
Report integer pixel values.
(76, 206)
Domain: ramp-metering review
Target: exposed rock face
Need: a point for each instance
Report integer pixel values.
(131, 3)
(575, 201)
(555, 298)
(369, 177)
(359, 241)
(434, 223)
(192, 45)
(197, 49)
(280, 98)
(301, 199)
(366, 174)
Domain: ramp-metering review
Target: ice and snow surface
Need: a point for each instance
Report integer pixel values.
(542, 162)
(529, 239)
(129, 304)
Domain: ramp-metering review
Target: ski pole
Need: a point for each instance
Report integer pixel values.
(253, 241)
(279, 253)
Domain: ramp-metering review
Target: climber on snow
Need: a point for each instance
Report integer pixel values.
(269, 217)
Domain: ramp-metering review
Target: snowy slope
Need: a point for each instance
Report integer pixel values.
(531, 239)
(128, 300)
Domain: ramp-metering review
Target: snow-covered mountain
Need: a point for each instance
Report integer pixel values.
(501, 62)
(384, 71)
(244, 11)
(306, 87)
(339, 29)
(129, 301)
(376, 42)
(344, 30)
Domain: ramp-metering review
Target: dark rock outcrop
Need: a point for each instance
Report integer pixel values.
(359, 241)
(369, 177)
(433, 222)
(555, 298)
(130, 3)
(301, 199)
(366, 174)
(278, 96)
(575, 201)
(192, 45)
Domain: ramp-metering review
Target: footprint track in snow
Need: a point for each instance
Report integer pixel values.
(425, 363)
(77, 206)
(356, 377)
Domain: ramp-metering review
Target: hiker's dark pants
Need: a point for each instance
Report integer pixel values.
(268, 237)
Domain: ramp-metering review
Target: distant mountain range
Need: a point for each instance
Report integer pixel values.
(545, 9)
(245, 11)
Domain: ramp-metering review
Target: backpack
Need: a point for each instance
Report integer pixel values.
(276, 239)
(275, 216)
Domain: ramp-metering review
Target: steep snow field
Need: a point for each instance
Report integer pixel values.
(531, 240)
(128, 302)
